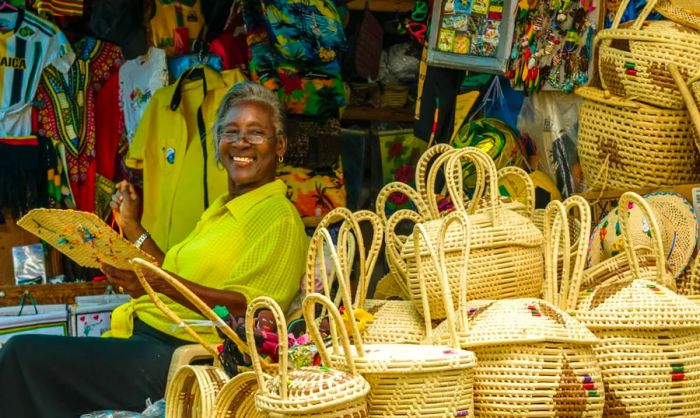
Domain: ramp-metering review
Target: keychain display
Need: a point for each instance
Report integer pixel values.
(471, 34)
(552, 44)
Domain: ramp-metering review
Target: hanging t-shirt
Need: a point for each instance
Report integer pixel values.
(29, 45)
(60, 7)
(168, 148)
(138, 80)
(66, 111)
(175, 25)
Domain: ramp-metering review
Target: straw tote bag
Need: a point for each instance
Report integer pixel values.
(633, 61)
(394, 321)
(506, 256)
(307, 391)
(406, 380)
(533, 359)
(649, 339)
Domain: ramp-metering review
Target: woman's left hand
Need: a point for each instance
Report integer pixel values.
(125, 281)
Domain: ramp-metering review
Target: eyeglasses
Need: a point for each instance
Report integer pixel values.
(253, 138)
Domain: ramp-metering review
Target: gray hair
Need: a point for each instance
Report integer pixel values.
(246, 92)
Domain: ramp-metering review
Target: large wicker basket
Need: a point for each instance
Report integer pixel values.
(649, 348)
(506, 256)
(633, 61)
(193, 390)
(624, 144)
(407, 380)
(308, 391)
(533, 359)
(236, 399)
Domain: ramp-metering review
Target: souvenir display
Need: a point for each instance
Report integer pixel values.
(471, 34)
(553, 44)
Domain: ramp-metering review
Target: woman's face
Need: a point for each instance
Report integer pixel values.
(249, 165)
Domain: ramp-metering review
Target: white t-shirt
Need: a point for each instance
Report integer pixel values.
(27, 46)
(139, 78)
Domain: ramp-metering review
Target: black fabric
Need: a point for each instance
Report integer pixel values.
(23, 181)
(312, 142)
(216, 14)
(440, 84)
(63, 377)
(120, 22)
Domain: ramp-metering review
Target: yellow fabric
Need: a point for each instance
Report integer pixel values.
(173, 189)
(254, 245)
(164, 23)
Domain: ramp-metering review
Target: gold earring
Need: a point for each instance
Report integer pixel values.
(280, 159)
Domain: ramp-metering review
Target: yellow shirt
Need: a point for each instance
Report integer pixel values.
(165, 21)
(167, 147)
(254, 244)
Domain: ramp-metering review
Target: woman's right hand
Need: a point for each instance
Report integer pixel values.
(126, 202)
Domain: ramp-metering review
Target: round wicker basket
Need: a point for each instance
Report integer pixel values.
(624, 144)
(308, 391)
(236, 398)
(193, 390)
(649, 348)
(634, 61)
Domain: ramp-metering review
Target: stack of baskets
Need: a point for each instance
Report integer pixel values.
(643, 128)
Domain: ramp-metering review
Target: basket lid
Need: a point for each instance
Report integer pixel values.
(638, 304)
(525, 320)
(407, 358)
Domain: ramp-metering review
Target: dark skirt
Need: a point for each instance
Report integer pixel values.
(63, 377)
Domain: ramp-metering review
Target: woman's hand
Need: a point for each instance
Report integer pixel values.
(125, 281)
(127, 203)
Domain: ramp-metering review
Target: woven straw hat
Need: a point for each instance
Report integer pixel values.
(618, 304)
(685, 12)
(676, 219)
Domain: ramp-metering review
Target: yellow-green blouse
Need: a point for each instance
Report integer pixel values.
(254, 244)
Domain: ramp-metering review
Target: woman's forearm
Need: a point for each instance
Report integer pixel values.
(133, 230)
(233, 301)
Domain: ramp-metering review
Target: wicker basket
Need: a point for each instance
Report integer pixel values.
(394, 96)
(394, 321)
(624, 144)
(533, 359)
(506, 255)
(236, 399)
(633, 61)
(193, 390)
(308, 391)
(649, 349)
(407, 380)
(685, 12)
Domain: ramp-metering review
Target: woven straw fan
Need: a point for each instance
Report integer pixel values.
(204, 309)
(306, 391)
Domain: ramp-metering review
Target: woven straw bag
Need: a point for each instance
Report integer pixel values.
(633, 61)
(394, 321)
(236, 399)
(506, 256)
(407, 380)
(308, 391)
(624, 144)
(689, 280)
(533, 359)
(192, 391)
(649, 339)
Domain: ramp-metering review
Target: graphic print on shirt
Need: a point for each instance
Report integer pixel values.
(25, 50)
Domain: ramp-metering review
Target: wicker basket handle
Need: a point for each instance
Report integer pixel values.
(139, 265)
(394, 244)
(402, 188)
(624, 203)
(521, 175)
(203, 308)
(556, 237)
(423, 168)
(430, 196)
(484, 164)
(438, 259)
(309, 309)
(693, 111)
(264, 302)
(349, 224)
(571, 284)
(641, 18)
(375, 247)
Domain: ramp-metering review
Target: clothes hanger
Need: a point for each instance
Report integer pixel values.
(6, 7)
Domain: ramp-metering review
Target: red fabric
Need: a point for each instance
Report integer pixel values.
(232, 50)
(109, 129)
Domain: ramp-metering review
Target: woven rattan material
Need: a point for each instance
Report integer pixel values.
(624, 144)
(685, 12)
(633, 61)
(308, 391)
(236, 399)
(81, 236)
(390, 287)
(193, 390)
(689, 281)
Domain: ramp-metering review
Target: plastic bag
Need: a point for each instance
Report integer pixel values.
(156, 410)
(548, 123)
(108, 413)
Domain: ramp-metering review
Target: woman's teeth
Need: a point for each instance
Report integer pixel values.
(242, 159)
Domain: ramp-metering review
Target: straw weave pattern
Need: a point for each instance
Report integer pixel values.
(236, 398)
(193, 390)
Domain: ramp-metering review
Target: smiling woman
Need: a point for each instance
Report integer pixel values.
(250, 242)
